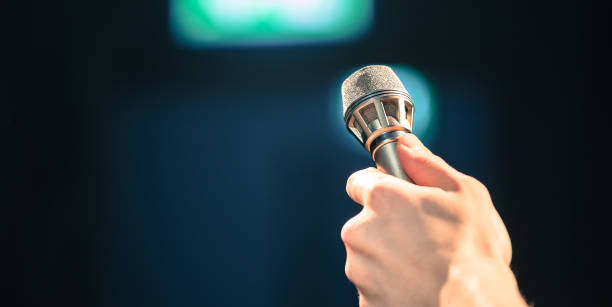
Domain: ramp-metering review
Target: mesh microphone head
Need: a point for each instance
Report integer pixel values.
(367, 80)
(374, 98)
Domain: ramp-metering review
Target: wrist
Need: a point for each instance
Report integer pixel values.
(481, 283)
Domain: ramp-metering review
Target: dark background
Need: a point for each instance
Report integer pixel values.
(140, 173)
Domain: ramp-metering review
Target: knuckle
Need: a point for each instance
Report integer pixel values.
(472, 183)
(376, 193)
(358, 274)
(350, 181)
(465, 181)
(347, 234)
(349, 270)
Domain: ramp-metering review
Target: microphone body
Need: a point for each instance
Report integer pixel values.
(377, 111)
(386, 159)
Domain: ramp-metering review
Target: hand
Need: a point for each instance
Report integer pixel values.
(437, 242)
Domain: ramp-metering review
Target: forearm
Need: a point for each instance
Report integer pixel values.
(481, 284)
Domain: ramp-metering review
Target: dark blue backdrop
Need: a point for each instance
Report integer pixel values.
(144, 174)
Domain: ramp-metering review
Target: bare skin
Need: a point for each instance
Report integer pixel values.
(437, 242)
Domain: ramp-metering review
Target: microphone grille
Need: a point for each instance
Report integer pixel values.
(366, 80)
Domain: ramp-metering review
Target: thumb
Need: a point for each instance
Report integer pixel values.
(423, 167)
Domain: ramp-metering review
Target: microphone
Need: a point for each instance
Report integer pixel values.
(378, 110)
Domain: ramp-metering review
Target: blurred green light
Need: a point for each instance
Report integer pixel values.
(198, 23)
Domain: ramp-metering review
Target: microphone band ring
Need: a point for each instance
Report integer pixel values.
(380, 132)
(381, 145)
(385, 139)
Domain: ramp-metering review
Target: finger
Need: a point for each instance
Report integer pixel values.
(423, 167)
(359, 270)
(360, 181)
(360, 233)
(364, 185)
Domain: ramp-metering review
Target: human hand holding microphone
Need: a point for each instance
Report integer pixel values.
(427, 235)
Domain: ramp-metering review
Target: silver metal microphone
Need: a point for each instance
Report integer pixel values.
(377, 111)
